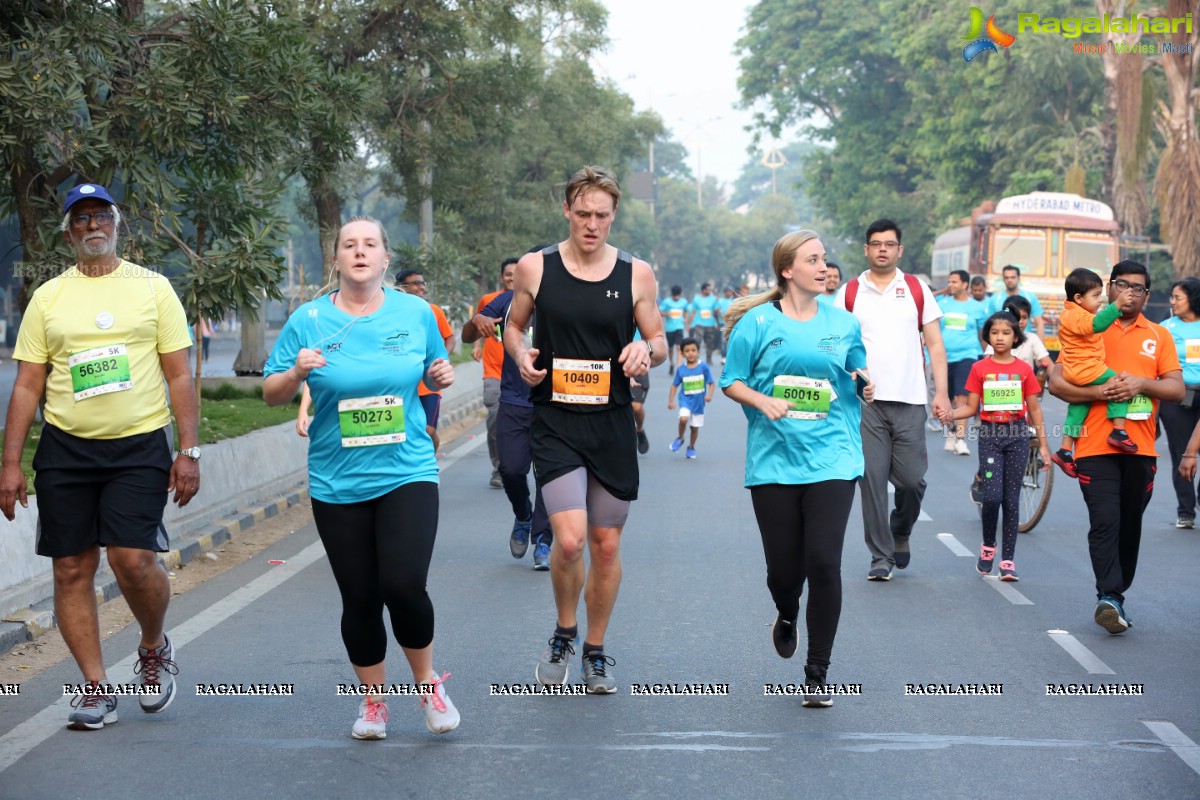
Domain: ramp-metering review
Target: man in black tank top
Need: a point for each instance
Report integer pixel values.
(589, 296)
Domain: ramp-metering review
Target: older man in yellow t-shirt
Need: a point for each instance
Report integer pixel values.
(99, 340)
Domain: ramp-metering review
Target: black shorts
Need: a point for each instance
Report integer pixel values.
(639, 387)
(604, 443)
(432, 403)
(957, 373)
(674, 338)
(101, 492)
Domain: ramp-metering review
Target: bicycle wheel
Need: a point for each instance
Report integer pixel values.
(1035, 490)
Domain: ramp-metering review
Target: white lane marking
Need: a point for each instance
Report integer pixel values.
(459, 452)
(1086, 658)
(1007, 591)
(52, 719)
(922, 517)
(1175, 739)
(955, 545)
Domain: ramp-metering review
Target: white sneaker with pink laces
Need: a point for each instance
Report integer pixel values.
(372, 720)
(440, 714)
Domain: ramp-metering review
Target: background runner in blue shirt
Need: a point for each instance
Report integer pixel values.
(705, 320)
(962, 320)
(1180, 419)
(789, 363)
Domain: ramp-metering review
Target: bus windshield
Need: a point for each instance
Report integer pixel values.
(1092, 252)
(1024, 247)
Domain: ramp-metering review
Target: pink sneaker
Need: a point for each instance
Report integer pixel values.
(440, 714)
(1008, 571)
(986, 556)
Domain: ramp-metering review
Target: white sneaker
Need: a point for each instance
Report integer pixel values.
(960, 447)
(372, 720)
(949, 445)
(440, 714)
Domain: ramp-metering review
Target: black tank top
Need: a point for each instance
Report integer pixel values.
(585, 325)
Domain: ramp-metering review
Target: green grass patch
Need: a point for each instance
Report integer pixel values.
(219, 420)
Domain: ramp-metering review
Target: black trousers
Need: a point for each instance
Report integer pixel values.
(379, 551)
(803, 527)
(1117, 490)
(1178, 423)
(513, 424)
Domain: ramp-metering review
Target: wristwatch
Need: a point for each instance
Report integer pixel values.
(192, 452)
(649, 349)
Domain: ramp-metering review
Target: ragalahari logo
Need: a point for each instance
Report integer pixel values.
(984, 37)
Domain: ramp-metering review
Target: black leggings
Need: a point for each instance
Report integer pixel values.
(380, 551)
(803, 527)
(1003, 457)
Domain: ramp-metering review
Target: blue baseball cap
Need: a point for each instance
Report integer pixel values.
(87, 191)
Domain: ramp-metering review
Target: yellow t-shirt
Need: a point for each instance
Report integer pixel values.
(102, 338)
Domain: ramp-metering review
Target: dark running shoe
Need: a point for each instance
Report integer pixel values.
(902, 554)
(784, 637)
(1111, 616)
(816, 689)
(643, 442)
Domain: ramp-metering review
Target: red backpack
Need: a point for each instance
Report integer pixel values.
(915, 288)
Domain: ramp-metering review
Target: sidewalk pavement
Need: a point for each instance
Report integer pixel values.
(460, 402)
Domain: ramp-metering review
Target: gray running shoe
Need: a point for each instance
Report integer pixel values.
(518, 540)
(903, 555)
(157, 668)
(552, 669)
(496, 482)
(595, 673)
(92, 711)
(881, 572)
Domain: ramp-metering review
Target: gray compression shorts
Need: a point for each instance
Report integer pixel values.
(577, 489)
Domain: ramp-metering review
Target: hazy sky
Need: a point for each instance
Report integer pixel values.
(678, 59)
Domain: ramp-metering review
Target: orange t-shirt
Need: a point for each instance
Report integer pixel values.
(445, 330)
(493, 348)
(1143, 349)
(1081, 350)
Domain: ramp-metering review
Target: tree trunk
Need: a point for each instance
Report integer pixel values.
(328, 203)
(253, 356)
(1177, 183)
(26, 185)
(1124, 139)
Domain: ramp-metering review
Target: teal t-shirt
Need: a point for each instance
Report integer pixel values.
(674, 311)
(826, 299)
(723, 305)
(961, 322)
(707, 309)
(808, 363)
(1187, 345)
(366, 395)
(996, 301)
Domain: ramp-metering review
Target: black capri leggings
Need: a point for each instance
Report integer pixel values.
(380, 551)
(803, 527)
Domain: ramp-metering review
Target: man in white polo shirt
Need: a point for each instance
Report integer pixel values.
(894, 311)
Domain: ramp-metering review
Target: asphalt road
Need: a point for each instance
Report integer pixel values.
(693, 609)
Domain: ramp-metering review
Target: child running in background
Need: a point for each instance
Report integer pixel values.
(1082, 360)
(697, 382)
(1004, 392)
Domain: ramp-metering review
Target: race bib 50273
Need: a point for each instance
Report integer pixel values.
(371, 421)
